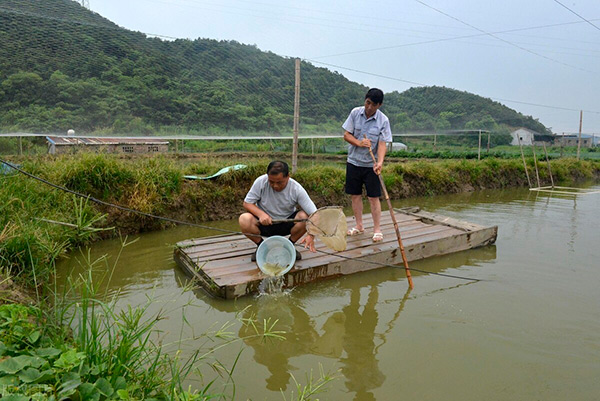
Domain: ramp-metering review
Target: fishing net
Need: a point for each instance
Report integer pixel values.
(329, 225)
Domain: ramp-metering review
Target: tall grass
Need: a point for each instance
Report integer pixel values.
(84, 346)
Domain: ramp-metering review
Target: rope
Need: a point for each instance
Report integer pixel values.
(101, 202)
(175, 221)
(399, 266)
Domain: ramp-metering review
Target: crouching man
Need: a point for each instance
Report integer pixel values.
(274, 196)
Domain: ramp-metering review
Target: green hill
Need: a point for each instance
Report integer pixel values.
(63, 66)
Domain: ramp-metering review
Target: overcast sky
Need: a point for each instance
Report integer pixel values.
(550, 58)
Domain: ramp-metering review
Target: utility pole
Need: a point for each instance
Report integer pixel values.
(580, 125)
(479, 148)
(296, 117)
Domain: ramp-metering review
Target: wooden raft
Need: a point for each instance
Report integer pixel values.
(222, 265)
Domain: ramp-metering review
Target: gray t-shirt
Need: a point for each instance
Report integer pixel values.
(279, 205)
(377, 128)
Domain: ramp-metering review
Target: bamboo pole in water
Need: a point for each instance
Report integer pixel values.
(537, 173)
(524, 163)
(548, 163)
(389, 202)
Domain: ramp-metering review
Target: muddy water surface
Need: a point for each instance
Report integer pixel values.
(529, 331)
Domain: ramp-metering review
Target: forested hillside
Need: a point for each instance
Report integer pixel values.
(64, 66)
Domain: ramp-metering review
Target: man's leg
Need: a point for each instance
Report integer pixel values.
(354, 184)
(357, 208)
(376, 213)
(249, 225)
(299, 228)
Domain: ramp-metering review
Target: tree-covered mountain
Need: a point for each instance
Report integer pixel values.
(64, 66)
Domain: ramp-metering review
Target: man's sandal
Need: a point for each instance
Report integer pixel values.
(354, 231)
(377, 237)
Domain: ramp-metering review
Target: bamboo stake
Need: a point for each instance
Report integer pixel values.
(479, 148)
(389, 202)
(548, 163)
(524, 163)
(537, 173)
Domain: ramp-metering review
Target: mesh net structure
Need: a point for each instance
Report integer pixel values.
(329, 225)
(65, 67)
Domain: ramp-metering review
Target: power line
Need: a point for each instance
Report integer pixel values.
(446, 39)
(422, 84)
(586, 20)
(500, 39)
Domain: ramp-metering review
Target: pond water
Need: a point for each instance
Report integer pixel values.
(529, 330)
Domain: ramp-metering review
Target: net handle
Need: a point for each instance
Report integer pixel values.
(304, 220)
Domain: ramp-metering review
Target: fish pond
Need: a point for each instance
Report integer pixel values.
(528, 330)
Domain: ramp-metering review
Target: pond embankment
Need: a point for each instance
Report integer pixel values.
(42, 223)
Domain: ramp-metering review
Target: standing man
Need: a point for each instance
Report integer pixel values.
(366, 127)
(274, 196)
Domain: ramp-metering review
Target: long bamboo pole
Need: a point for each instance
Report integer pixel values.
(524, 163)
(537, 173)
(548, 163)
(389, 202)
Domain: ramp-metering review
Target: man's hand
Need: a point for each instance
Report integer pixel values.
(364, 143)
(265, 220)
(377, 167)
(309, 242)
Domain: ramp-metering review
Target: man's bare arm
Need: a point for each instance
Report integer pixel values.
(363, 143)
(263, 218)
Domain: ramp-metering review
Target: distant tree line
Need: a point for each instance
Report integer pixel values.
(62, 66)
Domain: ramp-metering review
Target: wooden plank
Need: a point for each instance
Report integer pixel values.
(226, 265)
(434, 218)
(224, 251)
(242, 277)
(222, 265)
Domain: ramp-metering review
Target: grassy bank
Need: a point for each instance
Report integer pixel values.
(41, 223)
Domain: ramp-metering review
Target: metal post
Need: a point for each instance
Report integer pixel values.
(20, 147)
(434, 141)
(488, 144)
(479, 148)
(580, 125)
(296, 117)
(562, 145)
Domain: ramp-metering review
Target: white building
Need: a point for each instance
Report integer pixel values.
(525, 135)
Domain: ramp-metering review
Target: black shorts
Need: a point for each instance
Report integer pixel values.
(282, 229)
(357, 176)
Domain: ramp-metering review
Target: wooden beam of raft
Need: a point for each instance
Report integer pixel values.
(222, 265)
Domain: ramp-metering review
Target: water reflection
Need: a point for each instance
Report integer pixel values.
(348, 332)
(348, 335)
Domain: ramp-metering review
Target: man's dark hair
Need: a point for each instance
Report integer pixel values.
(277, 167)
(376, 95)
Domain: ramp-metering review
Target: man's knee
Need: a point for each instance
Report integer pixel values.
(301, 215)
(247, 220)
